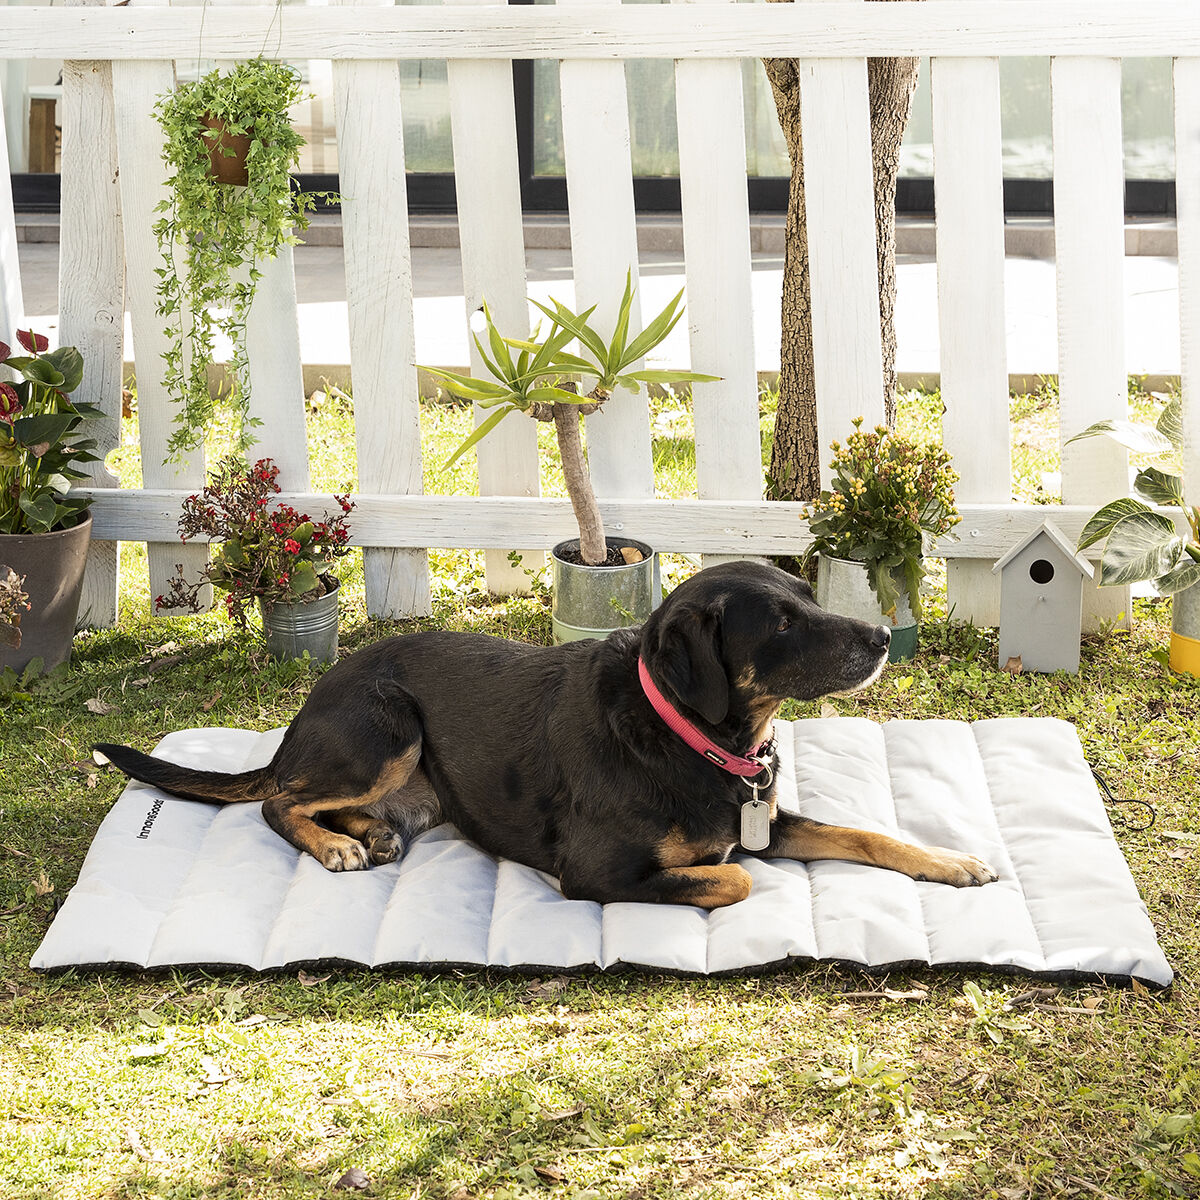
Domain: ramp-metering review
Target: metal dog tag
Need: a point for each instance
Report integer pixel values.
(756, 824)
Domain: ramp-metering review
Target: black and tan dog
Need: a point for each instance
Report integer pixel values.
(559, 758)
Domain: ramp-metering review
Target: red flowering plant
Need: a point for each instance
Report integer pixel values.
(40, 451)
(268, 553)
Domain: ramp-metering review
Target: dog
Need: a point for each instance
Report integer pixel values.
(630, 768)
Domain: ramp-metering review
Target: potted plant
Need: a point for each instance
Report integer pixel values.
(598, 583)
(1142, 544)
(44, 528)
(888, 495)
(230, 149)
(272, 558)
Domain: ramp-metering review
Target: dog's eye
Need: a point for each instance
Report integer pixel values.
(785, 623)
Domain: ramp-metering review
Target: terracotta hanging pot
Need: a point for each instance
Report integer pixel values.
(226, 167)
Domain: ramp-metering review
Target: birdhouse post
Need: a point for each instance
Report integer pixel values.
(1041, 601)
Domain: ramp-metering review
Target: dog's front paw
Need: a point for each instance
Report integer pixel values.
(954, 868)
(342, 853)
(384, 847)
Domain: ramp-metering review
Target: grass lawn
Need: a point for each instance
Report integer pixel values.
(812, 1082)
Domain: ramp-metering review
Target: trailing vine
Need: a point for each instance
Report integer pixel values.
(221, 232)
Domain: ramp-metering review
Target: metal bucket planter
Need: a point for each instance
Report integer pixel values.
(53, 565)
(291, 629)
(843, 587)
(1185, 630)
(590, 602)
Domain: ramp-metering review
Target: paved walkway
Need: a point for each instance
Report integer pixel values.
(1151, 287)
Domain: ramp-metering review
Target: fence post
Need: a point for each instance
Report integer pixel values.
(12, 303)
(1187, 205)
(91, 289)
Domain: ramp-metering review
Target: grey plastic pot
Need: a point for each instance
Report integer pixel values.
(53, 565)
(843, 587)
(291, 629)
(590, 602)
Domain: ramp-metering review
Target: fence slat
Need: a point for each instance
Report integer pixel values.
(1089, 237)
(12, 302)
(91, 290)
(839, 203)
(382, 338)
(598, 31)
(136, 87)
(487, 188)
(716, 241)
(1187, 207)
(970, 263)
(595, 129)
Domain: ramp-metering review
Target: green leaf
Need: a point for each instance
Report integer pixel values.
(41, 427)
(480, 431)
(1158, 487)
(1142, 546)
(578, 327)
(1133, 435)
(674, 377)
(1182, 576)
(69, 364)
(1170, 422)
(1102, 522)
(655, 331)
(468, 387)
(616, 346)
(39, 510)
(301, 579)
(554, 395)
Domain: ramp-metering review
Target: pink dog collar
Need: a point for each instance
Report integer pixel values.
(748, 766)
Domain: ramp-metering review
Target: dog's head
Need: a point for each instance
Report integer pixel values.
(736, 640)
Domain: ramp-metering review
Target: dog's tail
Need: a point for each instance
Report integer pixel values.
(213, 787)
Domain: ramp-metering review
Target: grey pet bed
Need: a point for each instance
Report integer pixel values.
(171, 883)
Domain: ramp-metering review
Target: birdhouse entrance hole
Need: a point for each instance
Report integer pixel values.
(1041, 571)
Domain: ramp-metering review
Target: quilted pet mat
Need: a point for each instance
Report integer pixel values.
(170, 882)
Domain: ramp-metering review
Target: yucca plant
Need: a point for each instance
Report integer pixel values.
(1141, 543)
(535, 375)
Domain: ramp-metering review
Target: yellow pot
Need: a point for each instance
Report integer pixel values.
(1185, 631)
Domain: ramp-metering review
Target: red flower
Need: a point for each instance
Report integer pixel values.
(283, 578)
(159, 602)
(35, 343)
(5, 350)
(10, 402)
(292, 546)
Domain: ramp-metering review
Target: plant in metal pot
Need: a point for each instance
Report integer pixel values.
(231, 205)
(45, 528)
(267, 556)
(1142, 543)
(887, 498)
(537, 375)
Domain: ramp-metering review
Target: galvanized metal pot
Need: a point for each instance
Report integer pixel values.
(590, 602)
(843, 587)
(291, 629)
(1185, 630)
(53, 565)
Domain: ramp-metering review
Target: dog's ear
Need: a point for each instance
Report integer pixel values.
(688, 659)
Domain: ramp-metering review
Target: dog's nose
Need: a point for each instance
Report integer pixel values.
(881, 637)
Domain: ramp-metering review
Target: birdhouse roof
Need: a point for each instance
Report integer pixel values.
(1050, 530)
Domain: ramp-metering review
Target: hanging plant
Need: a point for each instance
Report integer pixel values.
(222, 231)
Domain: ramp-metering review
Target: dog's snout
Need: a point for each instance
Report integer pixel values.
(881, 637)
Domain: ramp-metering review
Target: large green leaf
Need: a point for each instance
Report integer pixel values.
(1183, 575)
(41, 370)
(39, 510)
(554, 395)
(1143, 546)
(1144, 439)
(1170, 422)
(41, 427)
(674, 377)
(68, 362)
(1102, 522)
(1158, 487)
(578, 326)
(468, 387)
(616, 346)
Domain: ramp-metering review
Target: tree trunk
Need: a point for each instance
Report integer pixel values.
(592, 546)
(794, 473)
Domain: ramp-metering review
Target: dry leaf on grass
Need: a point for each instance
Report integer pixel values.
(139, 1148)
(355, 1180)
(307, 980)
(98, 706)
(207, 705)
(1014, 666)
(550, 1174)
(827, 710)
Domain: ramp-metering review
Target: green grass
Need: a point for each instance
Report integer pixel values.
(464, 1085)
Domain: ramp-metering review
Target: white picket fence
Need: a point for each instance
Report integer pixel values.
(121, 58)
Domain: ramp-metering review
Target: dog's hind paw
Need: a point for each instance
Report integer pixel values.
(343, 854)
(385, 847)
(955, 868)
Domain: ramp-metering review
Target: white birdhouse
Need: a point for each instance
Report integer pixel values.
(1041, 601)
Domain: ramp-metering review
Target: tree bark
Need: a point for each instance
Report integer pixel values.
(794, 473)
(592, 547)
